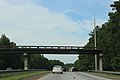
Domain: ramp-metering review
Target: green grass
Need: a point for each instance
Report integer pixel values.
(106, 75)
(23, 75)
(109, 74)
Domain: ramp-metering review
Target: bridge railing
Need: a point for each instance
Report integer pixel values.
(57, 47)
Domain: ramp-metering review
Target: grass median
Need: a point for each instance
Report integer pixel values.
(24, 75)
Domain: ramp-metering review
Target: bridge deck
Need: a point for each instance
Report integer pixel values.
(50, 50)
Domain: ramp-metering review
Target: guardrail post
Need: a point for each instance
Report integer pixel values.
(25, 61)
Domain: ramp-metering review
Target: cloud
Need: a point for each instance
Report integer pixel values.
(29, 16)
(68, 10)
(29, 24)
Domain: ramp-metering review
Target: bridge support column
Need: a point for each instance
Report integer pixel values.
(25, 61)
(96, 62)
(29, 55)
(100, 63)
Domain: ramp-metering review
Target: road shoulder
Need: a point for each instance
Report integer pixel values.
(109, 76)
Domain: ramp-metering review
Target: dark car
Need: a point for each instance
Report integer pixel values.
(65, 69)
(74, 69)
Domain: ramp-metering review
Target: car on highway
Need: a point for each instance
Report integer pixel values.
(57, 69)
(73, 69)
(9, 69)
(64, 68)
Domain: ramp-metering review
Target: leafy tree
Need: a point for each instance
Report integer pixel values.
(108, 39)
(9, 60)
(38, 61)
(5, 42)
(69, 65)
(56, 62)
(85, 62)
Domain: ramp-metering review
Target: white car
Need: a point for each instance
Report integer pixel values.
(57, 69)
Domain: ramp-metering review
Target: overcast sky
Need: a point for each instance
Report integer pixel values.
(52, 22)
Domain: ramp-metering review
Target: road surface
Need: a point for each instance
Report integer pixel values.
(72, 76)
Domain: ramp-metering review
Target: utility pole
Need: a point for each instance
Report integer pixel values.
(95, 33)
(96, 56)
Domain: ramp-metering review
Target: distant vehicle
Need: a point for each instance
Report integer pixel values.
(74, 69)
(65, 68)
(9, 68)
(57, 69)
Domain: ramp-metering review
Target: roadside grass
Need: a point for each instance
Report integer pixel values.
(106, 75)
(23, 75)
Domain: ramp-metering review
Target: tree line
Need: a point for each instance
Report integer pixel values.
(15, 61)
(108, 40)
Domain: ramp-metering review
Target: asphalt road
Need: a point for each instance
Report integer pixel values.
(72, 76)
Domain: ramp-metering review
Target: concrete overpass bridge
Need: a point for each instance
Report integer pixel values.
(27, 50)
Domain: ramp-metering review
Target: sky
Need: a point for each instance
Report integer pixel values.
(52, 22)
